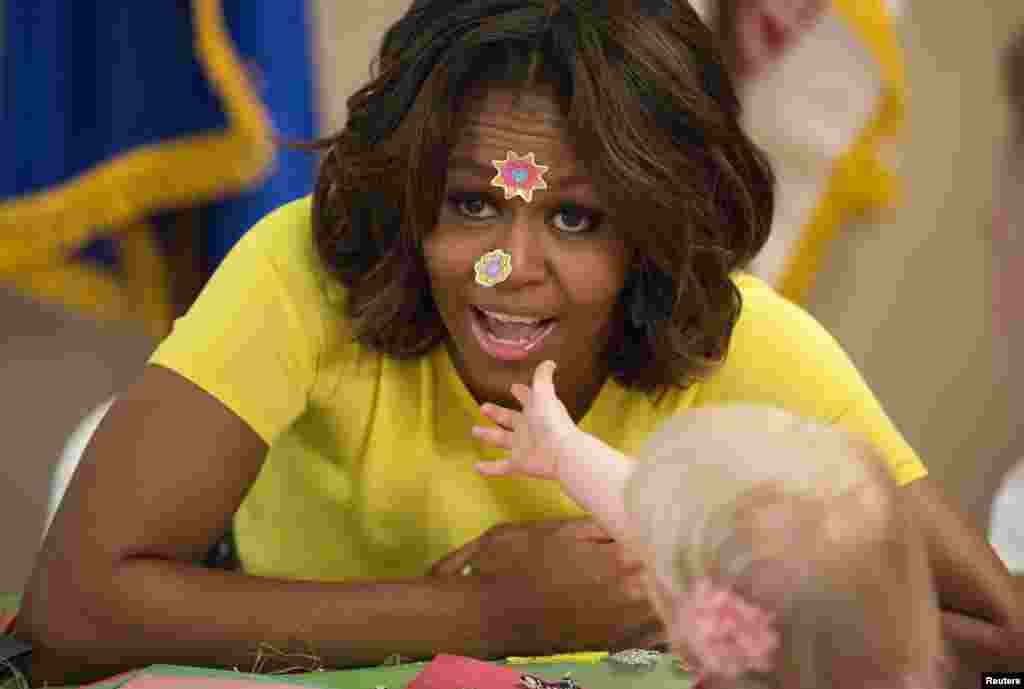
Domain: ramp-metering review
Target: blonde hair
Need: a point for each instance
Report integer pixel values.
(798, 516)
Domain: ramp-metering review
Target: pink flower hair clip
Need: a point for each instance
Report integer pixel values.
(727, 635)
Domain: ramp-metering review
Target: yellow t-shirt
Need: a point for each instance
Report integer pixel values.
(370, 469)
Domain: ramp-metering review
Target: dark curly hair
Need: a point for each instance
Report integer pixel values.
(651, 111)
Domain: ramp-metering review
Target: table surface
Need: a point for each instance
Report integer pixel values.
(8, 602)
(600, 675)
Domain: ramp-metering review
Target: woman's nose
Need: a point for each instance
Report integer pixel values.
(524, 239)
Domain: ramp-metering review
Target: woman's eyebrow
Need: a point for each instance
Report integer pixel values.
(468, 165)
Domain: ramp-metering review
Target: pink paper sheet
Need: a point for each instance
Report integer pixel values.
(459, 672)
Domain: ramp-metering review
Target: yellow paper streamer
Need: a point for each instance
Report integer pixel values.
(859, 181)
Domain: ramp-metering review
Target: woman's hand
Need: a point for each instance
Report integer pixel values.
(980, 646)
(982, 606)
(537, 437)
(558, 586)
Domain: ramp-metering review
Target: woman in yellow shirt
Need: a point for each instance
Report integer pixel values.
(521, 181)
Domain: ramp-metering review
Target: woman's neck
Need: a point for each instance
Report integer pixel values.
(578, 395)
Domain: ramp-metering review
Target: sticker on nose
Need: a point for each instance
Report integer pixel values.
(519, 176)
(493, 267)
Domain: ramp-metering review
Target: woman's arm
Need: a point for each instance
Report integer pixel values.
(118, 583)
(983, 616)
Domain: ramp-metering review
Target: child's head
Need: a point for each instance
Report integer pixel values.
(801, 521)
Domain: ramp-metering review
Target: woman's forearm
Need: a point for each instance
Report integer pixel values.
(158, 611)
(982, 613)
(969, 577)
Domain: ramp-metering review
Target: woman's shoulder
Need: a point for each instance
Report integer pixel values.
(768, 320)
(283, 238)
(284, 235)
(751, 285)
(780, 355)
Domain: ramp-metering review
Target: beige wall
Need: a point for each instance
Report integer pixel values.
(908, 298)
(348, 35)
(54, 368)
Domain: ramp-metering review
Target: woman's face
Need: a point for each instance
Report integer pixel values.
(568, 263)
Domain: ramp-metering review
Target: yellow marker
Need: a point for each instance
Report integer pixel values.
(589, 657)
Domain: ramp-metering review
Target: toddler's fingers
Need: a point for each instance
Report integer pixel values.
(493, 436)
(497, 468)
(544, 377)
(521, 393)
(506, 418)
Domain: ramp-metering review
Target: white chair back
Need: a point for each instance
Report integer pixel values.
(70, 456)
(1006, 525)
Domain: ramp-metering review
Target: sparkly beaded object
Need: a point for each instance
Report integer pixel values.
(535, 682)
(635, 657)
(493, 268)
(519, 176)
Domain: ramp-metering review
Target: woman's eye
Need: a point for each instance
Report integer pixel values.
(473, 207)
(574, 220)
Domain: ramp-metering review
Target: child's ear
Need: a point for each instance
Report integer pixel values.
(769, 583)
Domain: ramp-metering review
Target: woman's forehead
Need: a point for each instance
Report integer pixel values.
(497, 112)
(495, 121)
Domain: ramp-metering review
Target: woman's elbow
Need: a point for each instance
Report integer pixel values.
(58, 617)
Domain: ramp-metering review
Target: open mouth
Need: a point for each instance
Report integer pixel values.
(509, 338)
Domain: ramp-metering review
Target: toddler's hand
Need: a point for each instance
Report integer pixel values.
(536, 437)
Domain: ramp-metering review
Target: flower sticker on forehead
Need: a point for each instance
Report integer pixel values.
(519, 176)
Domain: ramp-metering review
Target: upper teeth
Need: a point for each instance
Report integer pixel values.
(509, 318)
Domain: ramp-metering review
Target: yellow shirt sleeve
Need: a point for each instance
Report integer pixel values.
(252, 337)
(781, 356)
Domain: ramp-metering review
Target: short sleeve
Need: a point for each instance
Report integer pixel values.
(252, 337)
(781, 356)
